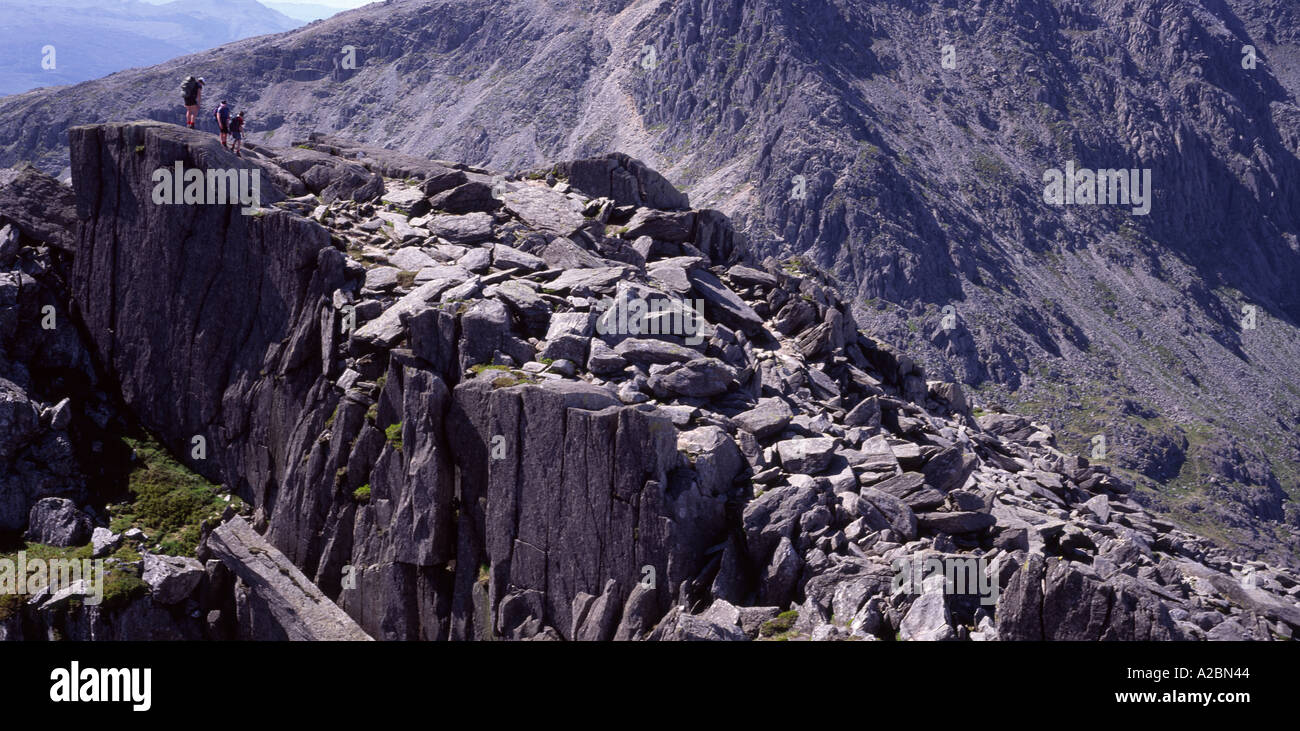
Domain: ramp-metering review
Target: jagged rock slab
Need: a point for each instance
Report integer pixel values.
(298, 608)
(723, 304)
(544, 209)
(385, 330)
(624, 179)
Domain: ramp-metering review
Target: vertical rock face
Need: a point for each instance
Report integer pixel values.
(1054, 600)
(587, 492)
(191, 305)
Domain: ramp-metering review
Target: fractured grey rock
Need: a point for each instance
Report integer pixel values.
(1100, 507)
(901, 518)
(171, 578)
(955, 523)
(104, 542)
(670, 226)
(651, 350)
(724, 305)
(410, 259)
(700, 377)
(466, 198)
(807, 456)
(533, 313)
(748, 276)
(928, 619)
(720, 622)
(624, 179)
(866, 413)
(58, 522)
(477, 260)
(286, 598)
(603, 360)
(544, 209)
(506, 257)
(910, 487)
(587, 282)
(781, 575)
(715, 456)
(385, 330)
(467, 228)
(600, 620)
(768, 417)
(381, 278)
(775, 515)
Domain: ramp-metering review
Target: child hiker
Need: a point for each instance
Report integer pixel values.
(237, 133)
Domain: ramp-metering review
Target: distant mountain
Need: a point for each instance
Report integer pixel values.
(76, 40)
(306, 12)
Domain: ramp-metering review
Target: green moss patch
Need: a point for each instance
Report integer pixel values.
(167, 500)
(780, 627)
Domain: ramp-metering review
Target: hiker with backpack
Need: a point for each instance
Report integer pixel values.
(222, 115)
(191, 90)
(237, 133)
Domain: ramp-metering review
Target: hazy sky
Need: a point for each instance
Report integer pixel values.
(340, 4)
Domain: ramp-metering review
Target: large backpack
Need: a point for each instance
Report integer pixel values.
(189, 87)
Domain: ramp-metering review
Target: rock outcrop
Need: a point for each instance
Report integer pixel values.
(566, 427)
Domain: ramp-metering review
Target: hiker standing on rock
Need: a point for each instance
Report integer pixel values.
(222, 115)
(236, 133)
(191, 90)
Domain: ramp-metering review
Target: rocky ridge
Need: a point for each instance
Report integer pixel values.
(417, 374)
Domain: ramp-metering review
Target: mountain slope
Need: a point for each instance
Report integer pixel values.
(831, 131)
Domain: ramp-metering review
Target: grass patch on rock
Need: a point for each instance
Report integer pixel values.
(122, 583)
(394, 435)
(166, 500)
(779, 628)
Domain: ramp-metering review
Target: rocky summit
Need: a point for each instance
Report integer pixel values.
(415, 399)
